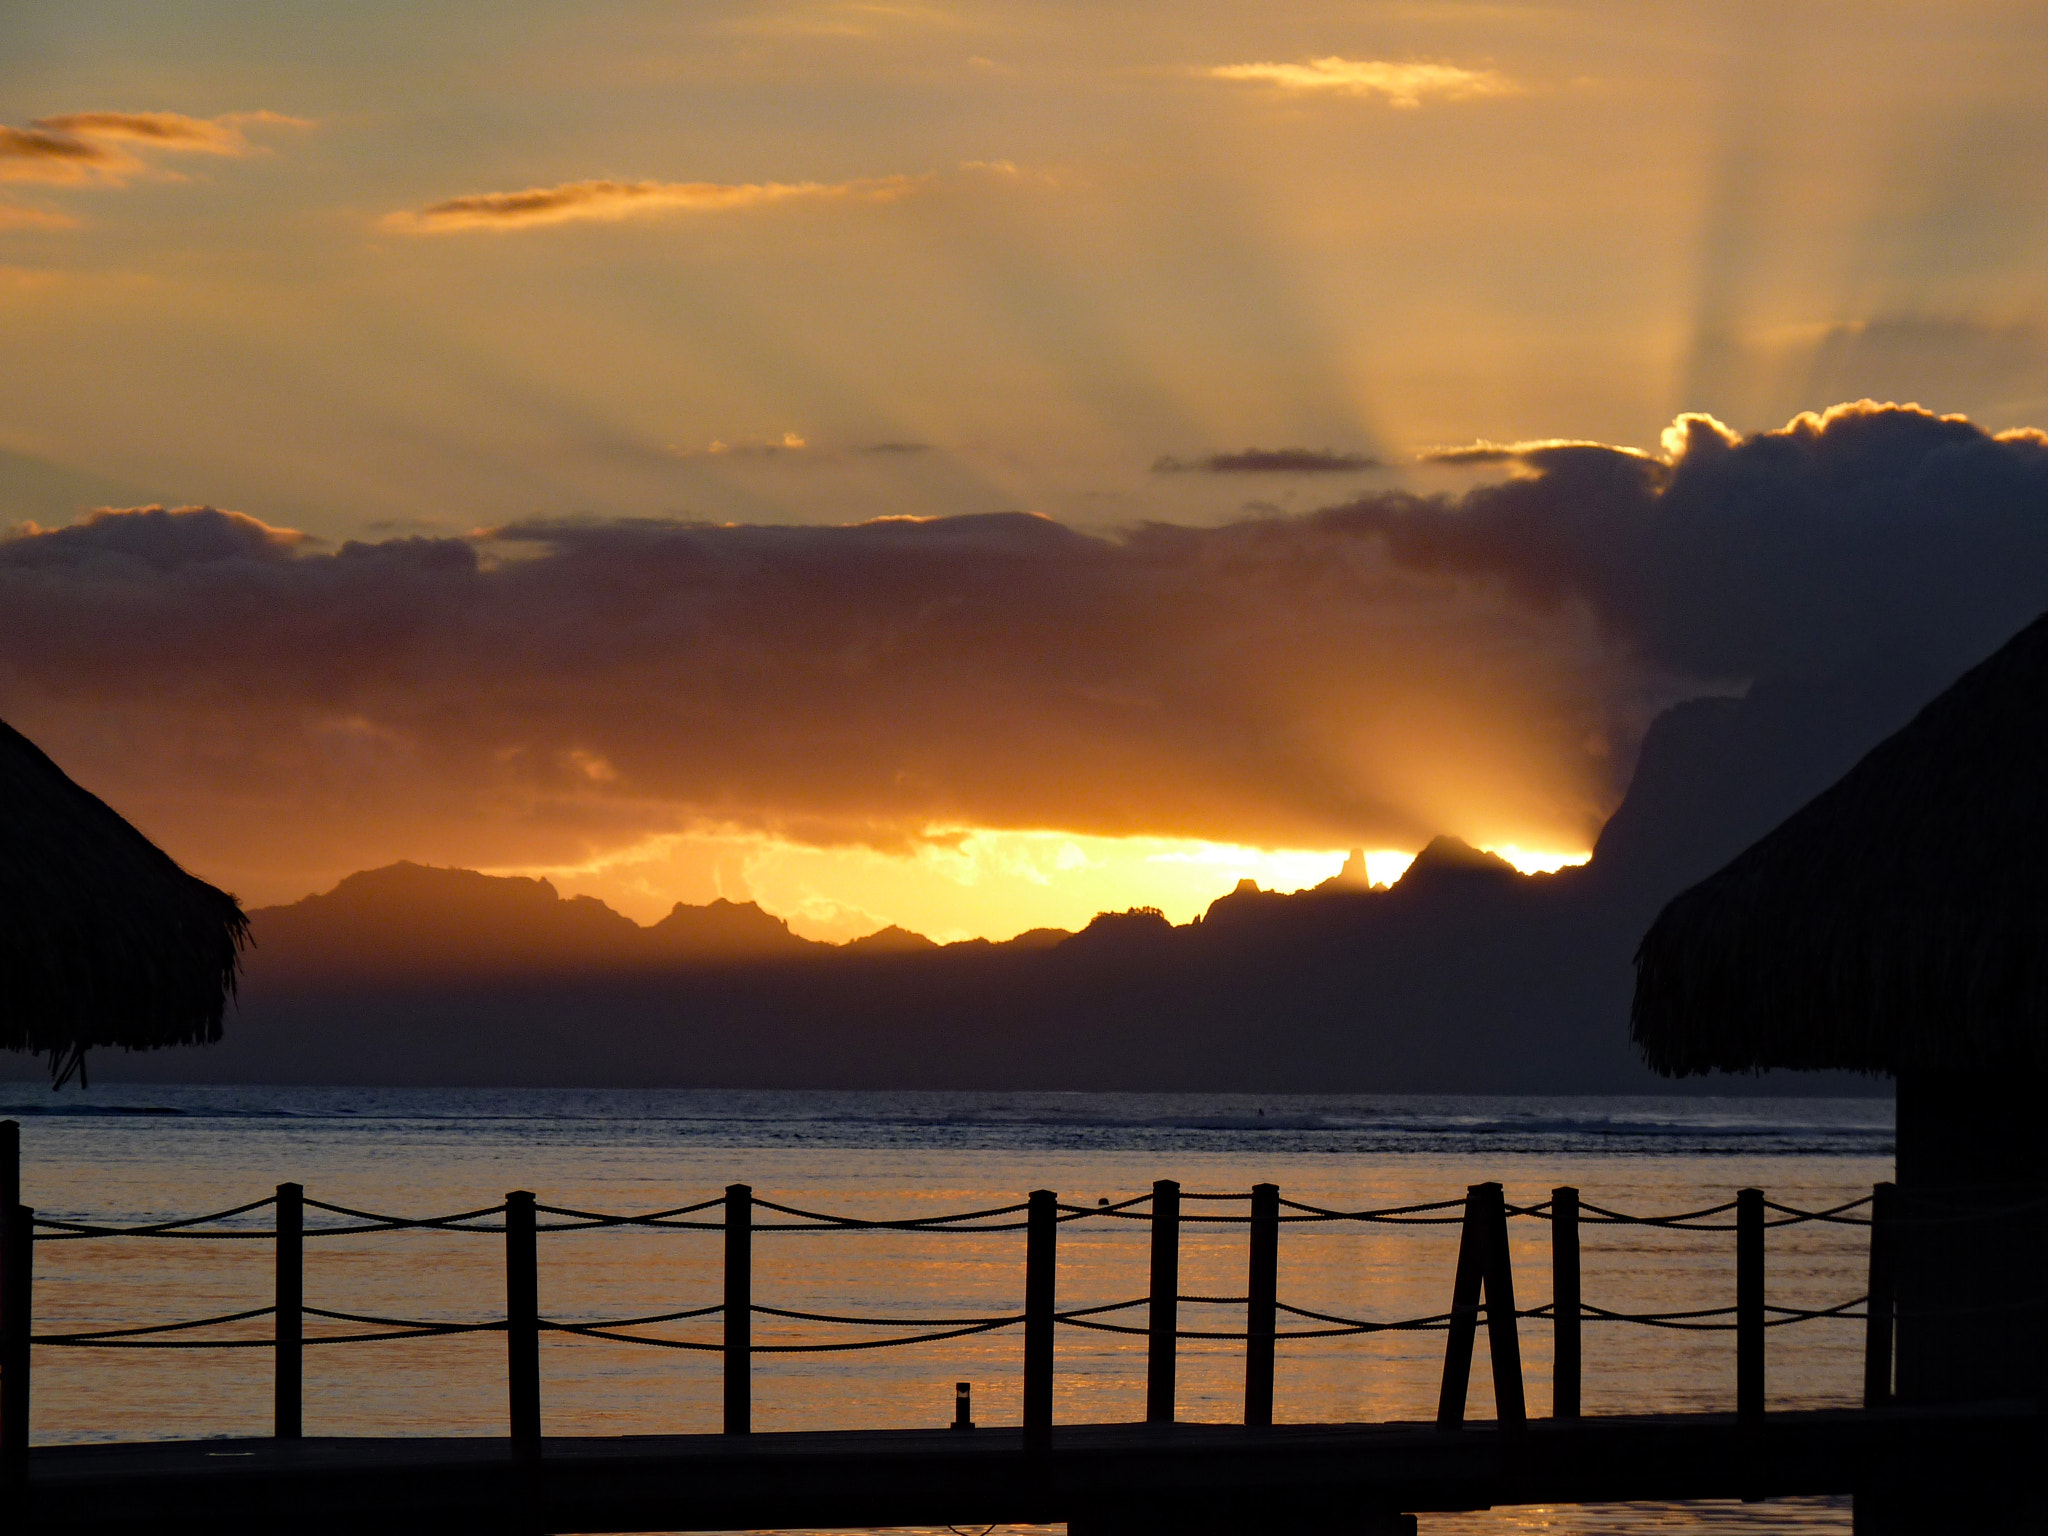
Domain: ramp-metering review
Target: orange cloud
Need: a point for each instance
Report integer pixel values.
(611, 201)
(26, 216)
(1273, 683)
(79, 147)
(1484, 452)
(28, 154)
(1400, 85)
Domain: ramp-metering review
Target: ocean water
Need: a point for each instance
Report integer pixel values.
(127, 1154)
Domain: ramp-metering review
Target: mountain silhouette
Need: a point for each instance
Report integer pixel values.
(412, 922)
(891, 941)
(1354, 876)
(1462, 976)
(408, 920)
(728, 930)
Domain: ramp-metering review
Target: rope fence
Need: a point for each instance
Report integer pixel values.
(812, 1221)
(1482, 1292)
(952, 1327)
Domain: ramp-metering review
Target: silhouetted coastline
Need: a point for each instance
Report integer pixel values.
(1464, 976)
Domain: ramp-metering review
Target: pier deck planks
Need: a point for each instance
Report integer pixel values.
(1101, 1478)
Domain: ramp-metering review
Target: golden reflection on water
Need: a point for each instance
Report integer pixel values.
(455, 1385)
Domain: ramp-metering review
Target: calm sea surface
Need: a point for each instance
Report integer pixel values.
(130, 1154)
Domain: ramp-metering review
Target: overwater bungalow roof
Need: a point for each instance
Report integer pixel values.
(1899, 919)
(104, 940)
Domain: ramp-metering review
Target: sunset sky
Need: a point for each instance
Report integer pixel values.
(549, 367)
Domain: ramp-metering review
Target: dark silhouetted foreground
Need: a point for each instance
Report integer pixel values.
(1897, 924)
(104, 940)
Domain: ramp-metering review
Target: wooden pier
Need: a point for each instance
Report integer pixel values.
(1164, 1476)
(1104, 1478)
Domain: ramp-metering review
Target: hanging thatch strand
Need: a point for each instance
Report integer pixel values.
(1898, 919)
(104, 940)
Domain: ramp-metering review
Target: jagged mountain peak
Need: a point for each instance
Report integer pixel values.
(891, 940)
(1445, 852)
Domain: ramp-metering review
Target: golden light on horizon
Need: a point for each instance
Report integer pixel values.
(965, 883)
(958, 883)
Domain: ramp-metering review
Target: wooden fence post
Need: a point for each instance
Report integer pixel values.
(1483, 1266)
(10, 1164)
(739, 1309)
(1261, 1313)
(1163, 1322)
(10, 1197)
(1564, 1302)
(1041, 1267)
(1503, 1342)
(1464, 1321)
(1749, 1303)
(288, 1372)
(17, 1279)
(1882, 1305)
(522, 1322)
(17, 1313)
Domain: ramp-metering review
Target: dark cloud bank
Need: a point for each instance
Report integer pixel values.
(1269, 461)
(1816, 584)
(558, 686)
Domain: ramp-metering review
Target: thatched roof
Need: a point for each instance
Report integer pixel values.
(104, 940)
(1898, 919)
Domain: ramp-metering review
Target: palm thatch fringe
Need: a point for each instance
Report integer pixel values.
(104, 940)
(1899, 919)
